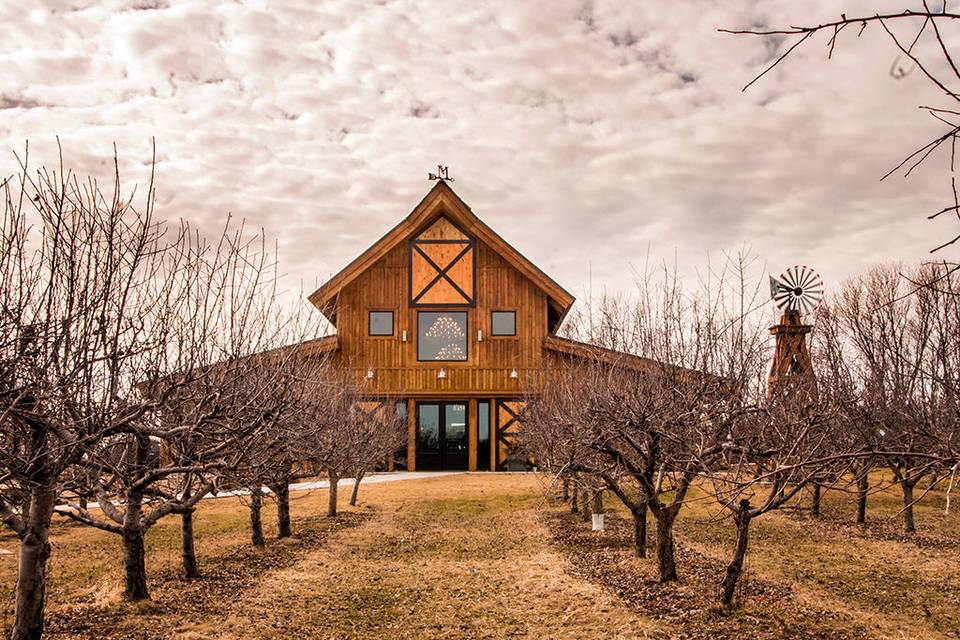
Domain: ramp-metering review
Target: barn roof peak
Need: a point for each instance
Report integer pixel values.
(442, 200)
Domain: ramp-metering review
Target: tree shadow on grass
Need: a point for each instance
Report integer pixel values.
(176, 601)
(765, 610)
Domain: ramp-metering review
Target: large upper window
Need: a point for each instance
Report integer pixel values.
(442, 335)
(381, 323)
(503, 323)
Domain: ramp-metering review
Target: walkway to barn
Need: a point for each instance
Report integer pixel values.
(373, 478)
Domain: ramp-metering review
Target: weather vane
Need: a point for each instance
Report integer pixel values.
(441, 174)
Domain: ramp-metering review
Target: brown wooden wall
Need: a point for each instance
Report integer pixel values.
(486, 372)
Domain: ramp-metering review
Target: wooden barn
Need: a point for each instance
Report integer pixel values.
(445, 320)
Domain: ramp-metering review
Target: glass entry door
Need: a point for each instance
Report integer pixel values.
(441, 435)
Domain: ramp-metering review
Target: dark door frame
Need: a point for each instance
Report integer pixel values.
(442, 454)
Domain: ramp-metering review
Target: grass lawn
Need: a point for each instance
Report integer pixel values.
(484, 556)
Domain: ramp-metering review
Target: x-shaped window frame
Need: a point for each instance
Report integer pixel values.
(443, 273)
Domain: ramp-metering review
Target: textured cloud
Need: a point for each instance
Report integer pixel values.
(589, 134)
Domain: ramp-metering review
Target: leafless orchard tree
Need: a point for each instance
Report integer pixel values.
(81, 292)
(378, 430)
(206, 390)
(282, 450)
(922, 42)
(127, 368)
(647, 424)
(773, 453)
(560, 433)
(896, 351)
(355, 432)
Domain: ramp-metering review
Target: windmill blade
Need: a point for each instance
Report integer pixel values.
(785, 279)
(783, 301)
(806, 273)
(808, 277)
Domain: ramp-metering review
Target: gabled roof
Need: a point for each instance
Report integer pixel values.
(442, 200)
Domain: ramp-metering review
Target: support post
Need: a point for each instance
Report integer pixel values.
(411, 435)
(472, 435)
(494, 434)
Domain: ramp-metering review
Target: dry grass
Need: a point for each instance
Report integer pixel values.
(806, 576)
(471, 556)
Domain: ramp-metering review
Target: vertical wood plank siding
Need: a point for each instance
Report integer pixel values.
(485, 373)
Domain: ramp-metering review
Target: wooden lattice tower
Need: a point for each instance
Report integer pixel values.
(791, 359)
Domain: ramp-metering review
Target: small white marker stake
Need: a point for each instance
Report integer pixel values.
(598, 522)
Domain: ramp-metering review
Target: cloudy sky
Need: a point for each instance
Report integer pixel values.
(592, 135)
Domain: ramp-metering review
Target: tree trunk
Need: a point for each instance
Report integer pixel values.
(134, 563)
(585, 505)
(332, 494)
(356, 488)
(282, 492)
(735, 568)
(566, 489)
(256, 524)
(863, 487)
(597, 504)
(574, 499)
(188, 552)
(640, 531)
(666, 560)
(815, 502)
(909, 526)
(32, 568)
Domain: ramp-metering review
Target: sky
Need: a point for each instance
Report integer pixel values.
(596, 137)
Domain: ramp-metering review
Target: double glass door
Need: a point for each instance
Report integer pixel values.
(442, 435)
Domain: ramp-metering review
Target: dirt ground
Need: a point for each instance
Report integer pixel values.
(486, 556)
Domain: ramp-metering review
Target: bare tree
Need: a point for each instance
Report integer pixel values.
(283, 448)
(206, 405)
(922, 44)
(653, 420)
(895, 359)
(80, 295)
(789, 443)
(378, 430)
(333, 406)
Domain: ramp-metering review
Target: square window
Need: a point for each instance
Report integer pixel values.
(503, 323)
(442, 335)
(381, 323)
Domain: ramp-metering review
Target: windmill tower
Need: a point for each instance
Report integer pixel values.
(796, 292)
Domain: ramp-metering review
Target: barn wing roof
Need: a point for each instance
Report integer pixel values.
(442, 200)
(592, 353)
(586, 351)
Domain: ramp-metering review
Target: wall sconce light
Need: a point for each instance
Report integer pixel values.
(369, 374)
(441, 374)
(479, 335)
(403, 335)
(514, 375)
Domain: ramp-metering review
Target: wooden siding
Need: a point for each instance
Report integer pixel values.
(485, 373)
